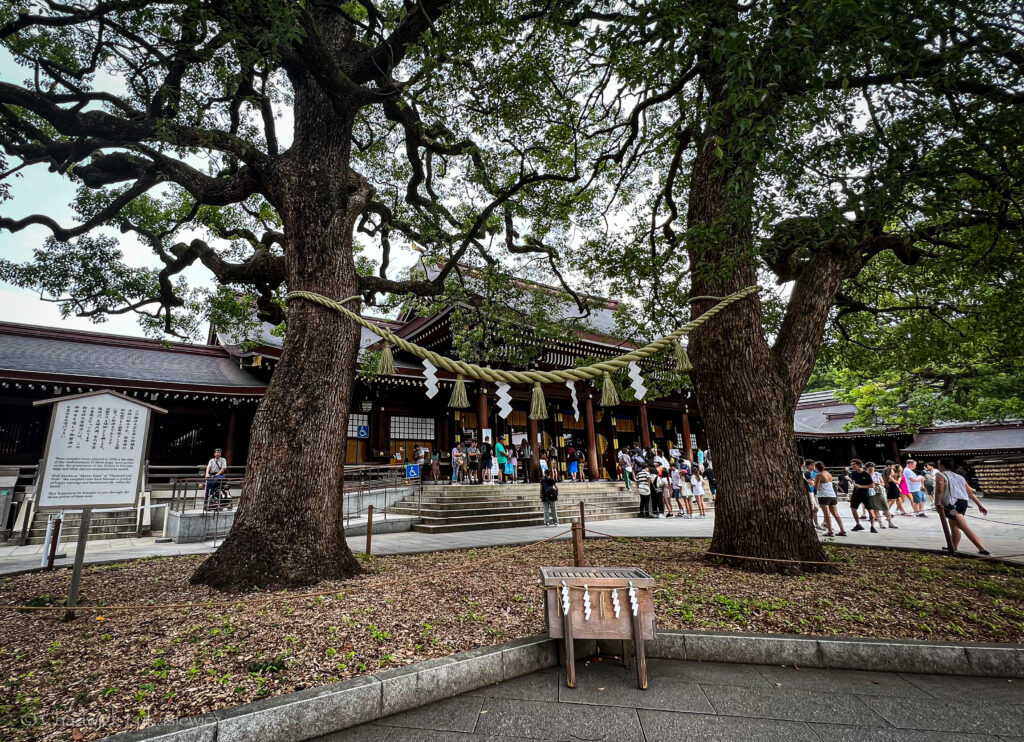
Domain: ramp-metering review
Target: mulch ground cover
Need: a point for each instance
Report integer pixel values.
(111, 670)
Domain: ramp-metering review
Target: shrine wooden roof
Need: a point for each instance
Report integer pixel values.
(74, 357)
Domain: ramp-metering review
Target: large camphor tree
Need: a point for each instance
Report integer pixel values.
(258, 139)
(799, 143)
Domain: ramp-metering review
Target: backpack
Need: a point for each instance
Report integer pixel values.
(549, 492)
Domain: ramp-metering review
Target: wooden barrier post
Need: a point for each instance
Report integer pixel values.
(369, 527)
(945, 530)
(53, 543)
(583, 521)
(577, 544)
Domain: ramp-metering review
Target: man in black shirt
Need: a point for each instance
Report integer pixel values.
(862, 486)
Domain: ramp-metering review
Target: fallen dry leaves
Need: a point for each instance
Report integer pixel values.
(108, 672)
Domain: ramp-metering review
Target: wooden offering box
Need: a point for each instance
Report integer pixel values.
(591, 594)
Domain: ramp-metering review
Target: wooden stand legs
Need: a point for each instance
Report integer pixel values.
(569, 652)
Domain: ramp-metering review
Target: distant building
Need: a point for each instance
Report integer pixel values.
(993, 452)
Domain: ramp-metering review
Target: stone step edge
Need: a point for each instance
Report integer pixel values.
(331, 708)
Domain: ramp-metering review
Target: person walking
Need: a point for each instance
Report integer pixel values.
(876, 498)
(435, 466)
(825, 491)
(904, 491)
(697, 490)
(915, 483)
(930, 473)
(952, 493)
(570, 463)
(626, 464)
(458, 461)
(709, 475)
(502, 456)
(553, 461)
(677, 493)
(862, 485)
(486, 460)
(549, 500)
(666, 493)
(643, 486)
(473, 462)
(806, 471)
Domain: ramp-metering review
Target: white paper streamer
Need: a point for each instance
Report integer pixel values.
(586, 603)
(575, 402)
(615, 603)
(504, 400)
(636, 380)
(632, 600)
(565, 598)
(430, 375)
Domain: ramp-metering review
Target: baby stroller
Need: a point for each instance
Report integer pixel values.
(218, 495)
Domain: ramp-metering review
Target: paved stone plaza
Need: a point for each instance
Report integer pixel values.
(706, 702)
(919, 533)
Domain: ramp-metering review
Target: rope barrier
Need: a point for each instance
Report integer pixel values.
(474, 371)
(284, 597)
(993, 520)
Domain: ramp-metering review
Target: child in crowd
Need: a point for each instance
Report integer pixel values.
(666, 493)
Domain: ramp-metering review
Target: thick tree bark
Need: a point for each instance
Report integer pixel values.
(746, 395)
(288, 530)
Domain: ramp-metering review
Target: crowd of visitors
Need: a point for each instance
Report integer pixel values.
(664, 482)
(673, 486)
(876, 494)
(475, 462)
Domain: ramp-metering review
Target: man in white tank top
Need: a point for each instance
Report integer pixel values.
(951, 494)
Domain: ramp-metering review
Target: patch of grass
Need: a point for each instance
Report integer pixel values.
(45, 599)
(274, 665)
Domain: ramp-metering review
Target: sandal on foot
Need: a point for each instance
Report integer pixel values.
(842, 533)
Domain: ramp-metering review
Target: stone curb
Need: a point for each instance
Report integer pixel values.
(331, 708)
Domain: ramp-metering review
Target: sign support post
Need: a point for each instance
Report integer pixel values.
(76, 572)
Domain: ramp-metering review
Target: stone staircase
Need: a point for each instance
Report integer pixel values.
(104, 525)
(451, 508)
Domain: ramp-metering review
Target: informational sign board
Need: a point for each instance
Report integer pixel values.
(362, 431)
(94, 452)
(412, 471)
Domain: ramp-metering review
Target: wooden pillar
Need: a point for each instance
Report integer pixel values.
(687, 446)
(229, 440)
(378, 437)
(645, 427)
(895, 450)
(481, 413)
(531, 434)
(588, 423)
(853, 449)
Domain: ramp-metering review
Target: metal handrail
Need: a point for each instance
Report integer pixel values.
(183, 486)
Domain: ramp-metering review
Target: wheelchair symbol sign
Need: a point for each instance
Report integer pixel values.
(362, 431)
(412, 471)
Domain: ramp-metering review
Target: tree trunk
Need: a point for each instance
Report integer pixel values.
(288, 530)
(746, 399)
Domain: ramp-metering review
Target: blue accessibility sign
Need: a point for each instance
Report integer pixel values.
(412, 471)
(362, 431)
